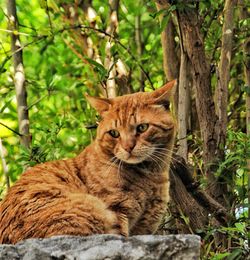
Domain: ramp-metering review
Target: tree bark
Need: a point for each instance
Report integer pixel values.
(123, 78)
(170, 58)
(194, 46)
(244, 14)
(19, 77)
(138, 40)
(109, 60)
(196, 216)
(183, 107)
(192, 206)
(4, 165)
(224, 71)
(208, 120)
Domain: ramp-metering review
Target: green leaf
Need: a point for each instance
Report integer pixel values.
(43, 4)
(220, 256)
(165, 21)
(156, 14)
(246, 89)
(100, 68)
(235, 254)
(240, 227)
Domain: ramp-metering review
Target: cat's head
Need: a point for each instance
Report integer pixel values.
(137, 127)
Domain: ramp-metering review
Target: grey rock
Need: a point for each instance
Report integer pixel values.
(105, 247)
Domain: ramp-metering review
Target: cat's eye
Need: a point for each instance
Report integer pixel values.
(142, 128)
(114, 133)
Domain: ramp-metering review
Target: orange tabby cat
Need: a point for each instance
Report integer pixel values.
(118, 185)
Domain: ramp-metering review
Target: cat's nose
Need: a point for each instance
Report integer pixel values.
(129, 147)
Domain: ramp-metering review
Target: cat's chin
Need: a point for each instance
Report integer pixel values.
(133, 160)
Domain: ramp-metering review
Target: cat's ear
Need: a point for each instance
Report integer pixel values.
(101, 105)
(163, 95)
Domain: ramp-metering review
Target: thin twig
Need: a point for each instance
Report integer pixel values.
(39, 38)
(37, 101)
(6, 16)
(78, 54)
(48, 14)
(80, 26)
(17, 33)
(124, 47)
(2, 46)
(14, 131)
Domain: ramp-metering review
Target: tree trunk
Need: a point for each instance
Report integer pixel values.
(123, 78)
(138, 40)
(170, 58)
(188, 219)
(109, 60)
(183, 107)
(192, 206)
(193, 47)
(208, 121)
(243, 16)
(224, 71)
(19, 78)
(4, 165)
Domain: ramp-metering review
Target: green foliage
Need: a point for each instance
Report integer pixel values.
(237, 153)
(56, 78)
(235, 164)
(237, 235)
(58, 73)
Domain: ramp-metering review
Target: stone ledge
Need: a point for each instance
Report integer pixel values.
(108, 247)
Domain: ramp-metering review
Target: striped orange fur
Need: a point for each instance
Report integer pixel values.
(119, 184)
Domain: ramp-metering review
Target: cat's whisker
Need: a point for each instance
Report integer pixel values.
(161, 149)
(171, 157)
(162, 156)
(156, 162)
(149, 150)
(119, 171)
(159, 158)
(159, 152)
(111, 163)
(103, 189)
(166, 150)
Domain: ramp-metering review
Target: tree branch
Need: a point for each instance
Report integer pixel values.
(139, 47)
(80, 26)
(19, 78)
(224, 71)
(109, 62)
(11, 129)
(204, 199)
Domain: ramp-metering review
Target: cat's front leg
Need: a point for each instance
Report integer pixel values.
(150, 220)
(155, 207)
(121, 225)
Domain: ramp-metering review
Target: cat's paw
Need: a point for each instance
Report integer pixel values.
(118, 229)
(118, 224)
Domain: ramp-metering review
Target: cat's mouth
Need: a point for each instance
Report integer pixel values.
(133, 157)
(133, 160)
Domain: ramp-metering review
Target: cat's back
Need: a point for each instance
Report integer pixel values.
(62, 175)
(42, 192)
